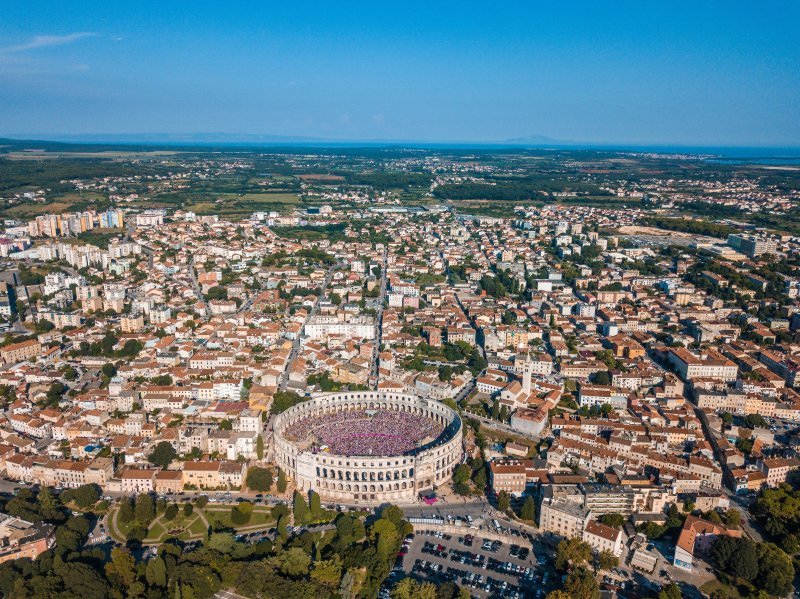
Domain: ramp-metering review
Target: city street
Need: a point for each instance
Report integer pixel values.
(379, 303)
(284, 378)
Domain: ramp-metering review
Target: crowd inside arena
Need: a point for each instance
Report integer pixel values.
(365, 432)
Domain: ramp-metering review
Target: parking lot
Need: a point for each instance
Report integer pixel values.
(486, 567)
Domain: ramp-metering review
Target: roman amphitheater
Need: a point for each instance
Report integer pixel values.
(368, 447)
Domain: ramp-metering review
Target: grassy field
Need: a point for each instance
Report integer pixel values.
(99, 237)
(191, 526)
(194, 525)
(244, 204)
(276, 198)
(155, 532)
(731, 592)
(67, 202)
(34, 209)
(197, 528)
(221, 517)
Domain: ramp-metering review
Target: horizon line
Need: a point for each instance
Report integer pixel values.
(543, 142)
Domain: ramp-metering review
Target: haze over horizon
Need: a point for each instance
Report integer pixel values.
(719, 74)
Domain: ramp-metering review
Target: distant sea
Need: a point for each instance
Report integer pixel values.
(712, 154)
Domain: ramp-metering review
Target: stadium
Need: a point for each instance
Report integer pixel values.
(368, 447)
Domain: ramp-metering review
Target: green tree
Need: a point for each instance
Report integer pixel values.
(283, 400)
(755, 421)
(776, 572)
(293, 562)
(671, 591)
(47, 502)
(387, 536)
(259, 479)
(217, 293)
(241, 513)
(84, 496)
(722, 550)
(156, 572)
(145, 509)
(462, 473)
(479, 479)
(528, 510)
(328, 572)
(606, 560)
(126, 513)
(503, 501)
(408, 588)
(260, 448)
(315, 504)
(163, 454)
(280, 527)
(131, 348)
(461, 476)
(744, 560)
(613, 520)
(359, 531)
(73, 533)
(582, 584)
(281, 484)
(121, 570)
(171, 512)
(732, 518)
(572, 552)
(299, 508)
(790, 544)
(222, 542)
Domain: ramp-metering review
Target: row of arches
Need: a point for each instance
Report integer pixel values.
(306, 411)
(336, 474)
(325, 485)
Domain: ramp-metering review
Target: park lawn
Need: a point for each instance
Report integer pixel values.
(197, 528)
(191, 526)
(712, 585)
(123, 528)
(155, 532)
(221, 517)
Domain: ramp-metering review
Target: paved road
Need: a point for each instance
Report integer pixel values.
(284, 380)
(499, 426)
(376, 346)
(129, 229)
(193, 277)
(749, 523)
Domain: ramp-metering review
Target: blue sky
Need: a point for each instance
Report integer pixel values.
(694, 73)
